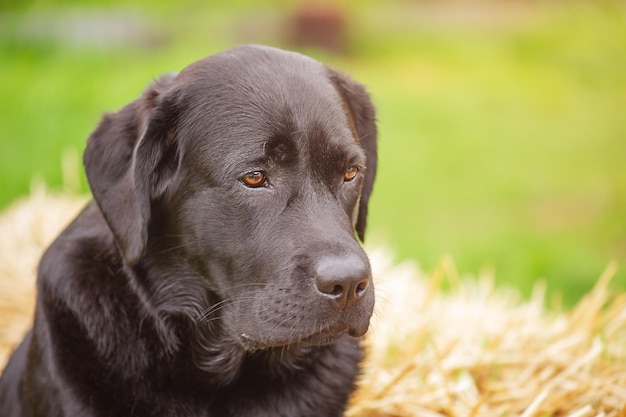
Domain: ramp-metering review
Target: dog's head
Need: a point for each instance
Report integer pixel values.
(235, 191)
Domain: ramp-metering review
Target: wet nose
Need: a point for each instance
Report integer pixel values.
(344, 281)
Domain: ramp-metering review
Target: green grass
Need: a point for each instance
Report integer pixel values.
(501, 145)
(509, 150)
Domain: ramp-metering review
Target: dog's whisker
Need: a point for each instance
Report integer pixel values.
(367, 135)
(229, 301)
(220, 305)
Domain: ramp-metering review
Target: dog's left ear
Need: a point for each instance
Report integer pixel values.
(362, 117)
(130, 159)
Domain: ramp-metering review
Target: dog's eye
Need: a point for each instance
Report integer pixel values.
(254, 179)
(350, 173)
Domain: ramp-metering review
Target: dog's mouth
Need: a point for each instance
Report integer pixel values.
(317, 339)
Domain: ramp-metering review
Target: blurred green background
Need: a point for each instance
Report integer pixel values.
(502, 123)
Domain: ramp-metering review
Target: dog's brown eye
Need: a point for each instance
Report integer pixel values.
(254, 179)
(350, 173)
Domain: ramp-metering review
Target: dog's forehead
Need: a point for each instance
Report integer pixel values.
(257, 85)
(243, 99)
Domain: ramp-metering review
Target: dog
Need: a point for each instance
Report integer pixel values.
(218, 271)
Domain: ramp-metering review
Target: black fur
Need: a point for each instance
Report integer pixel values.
(182, 291)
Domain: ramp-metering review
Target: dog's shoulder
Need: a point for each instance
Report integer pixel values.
(82, 261)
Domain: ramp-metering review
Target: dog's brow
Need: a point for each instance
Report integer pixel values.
(280, 148)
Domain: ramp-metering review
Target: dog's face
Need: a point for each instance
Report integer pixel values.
(245, 179)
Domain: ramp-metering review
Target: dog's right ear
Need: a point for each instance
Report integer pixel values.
(361, 112)
(128, 160)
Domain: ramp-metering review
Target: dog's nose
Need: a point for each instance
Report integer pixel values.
(343, 280)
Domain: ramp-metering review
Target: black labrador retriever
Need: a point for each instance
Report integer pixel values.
(218, 272)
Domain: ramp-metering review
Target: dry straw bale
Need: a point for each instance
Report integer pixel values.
(480, 351)
(474, 350)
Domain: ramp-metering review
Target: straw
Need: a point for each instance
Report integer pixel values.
(478, 350)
